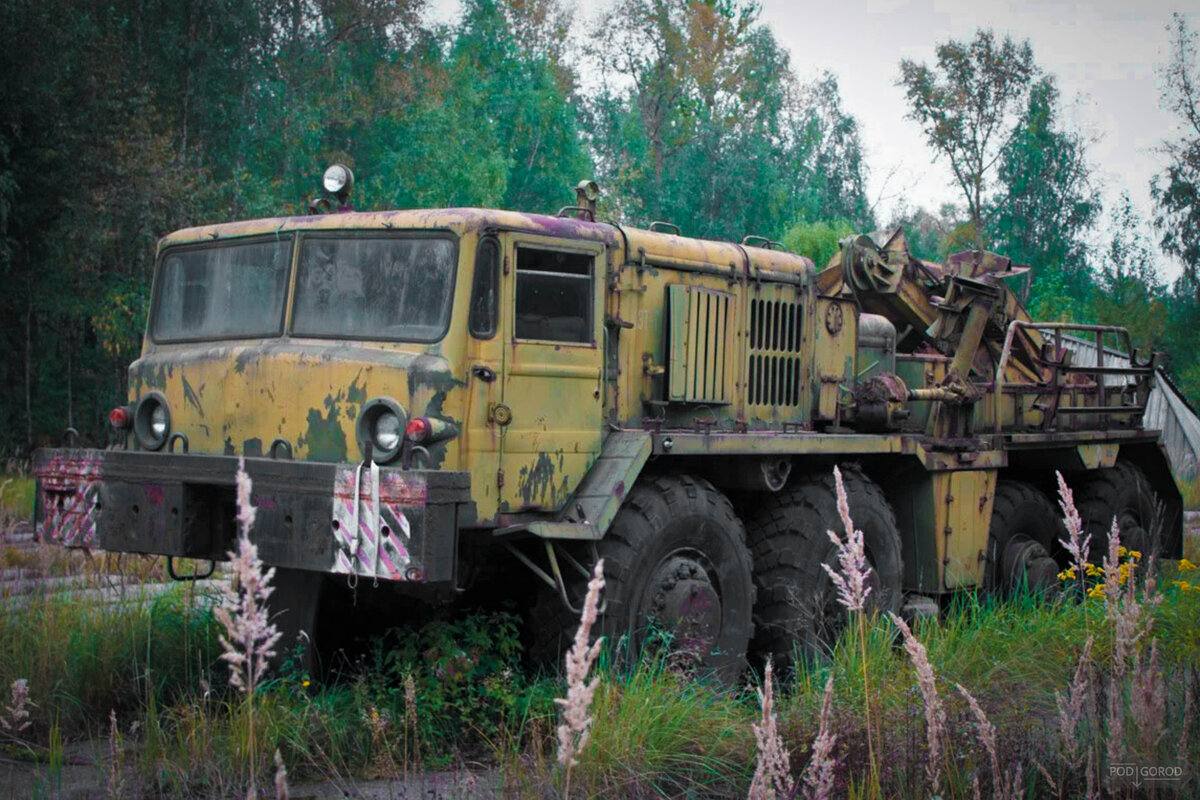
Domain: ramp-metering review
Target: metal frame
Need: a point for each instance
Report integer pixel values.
(1136, 368)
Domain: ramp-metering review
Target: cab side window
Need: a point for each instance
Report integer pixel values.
(485, 290)
(554, 295)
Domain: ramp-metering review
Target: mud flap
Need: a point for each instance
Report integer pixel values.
(68, 498)
(373, 535)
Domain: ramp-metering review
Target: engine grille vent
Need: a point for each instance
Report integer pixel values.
(774, 374)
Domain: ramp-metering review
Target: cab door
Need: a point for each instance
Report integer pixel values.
(485, 357)
(552, 407)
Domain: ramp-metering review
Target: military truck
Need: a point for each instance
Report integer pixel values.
(449, 403)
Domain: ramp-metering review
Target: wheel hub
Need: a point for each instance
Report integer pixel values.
(686, 603)
(1026, 562)
(1133, 535)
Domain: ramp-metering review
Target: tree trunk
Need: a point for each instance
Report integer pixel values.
(70, 392)
(29, 373)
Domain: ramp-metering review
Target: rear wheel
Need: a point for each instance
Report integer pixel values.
(1123, 492)
(798, 609)
(1025, 529)
(675, 562)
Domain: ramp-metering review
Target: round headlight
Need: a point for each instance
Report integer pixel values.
(338, 179)
(160, 423)
(386, 431)
(152, 421)
(381, 423)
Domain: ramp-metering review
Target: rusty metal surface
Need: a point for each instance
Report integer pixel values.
(1166, 408)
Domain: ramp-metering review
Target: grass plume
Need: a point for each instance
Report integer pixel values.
(1076, 543)
(818, 775)
(576, 707)
(15, 719)
(772, 773)
(853, 587)
(935, 713)
(250, 636)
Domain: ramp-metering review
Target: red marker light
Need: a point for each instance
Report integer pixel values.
(418, 429)
(119, 418)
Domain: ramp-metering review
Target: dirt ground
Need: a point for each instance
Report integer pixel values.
(86, 775)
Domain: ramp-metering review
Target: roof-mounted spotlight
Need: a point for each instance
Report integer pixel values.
(338, 181)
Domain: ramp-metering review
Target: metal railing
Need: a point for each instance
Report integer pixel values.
(1059, 366)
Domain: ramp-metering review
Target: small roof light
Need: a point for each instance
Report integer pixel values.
(338, 180)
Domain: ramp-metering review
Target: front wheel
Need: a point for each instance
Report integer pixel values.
(675, 562)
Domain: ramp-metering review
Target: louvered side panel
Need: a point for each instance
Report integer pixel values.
(699, 327)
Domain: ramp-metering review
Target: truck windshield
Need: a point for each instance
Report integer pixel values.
(225, 291)
(374, 287)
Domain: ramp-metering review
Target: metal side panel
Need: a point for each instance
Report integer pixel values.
(594, 506)
(699, 331)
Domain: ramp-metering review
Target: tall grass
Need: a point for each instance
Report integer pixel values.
(654, 732)
(1052, 692)
(16, 496)
(86, 659)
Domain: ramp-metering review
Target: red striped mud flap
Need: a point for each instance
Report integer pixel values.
(67, 498)
(371, 527)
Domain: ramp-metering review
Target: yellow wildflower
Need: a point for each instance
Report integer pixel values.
(1092, 570)
(1096, 591)
(1068, 574)
(1185, 586)
(1121, 551)
(1135, 553)
(1185, 565)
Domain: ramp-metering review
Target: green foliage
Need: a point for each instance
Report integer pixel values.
(16, 496)
(817, 240)
(1177, 192)
(466, 674)
(701, 121)
(98, 657)
(655, 731)
(928, 234)
(664, 731)
(1052, 301)
(1130, 292)
(968, 106)
(1046, 202)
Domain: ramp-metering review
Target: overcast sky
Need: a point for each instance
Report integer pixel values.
(1103, 54)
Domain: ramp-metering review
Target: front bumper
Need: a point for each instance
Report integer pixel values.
(376, 522)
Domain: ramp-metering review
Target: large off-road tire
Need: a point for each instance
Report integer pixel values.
(1124, 492)
(675, 562)
(798, 610)
(1025, 530)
